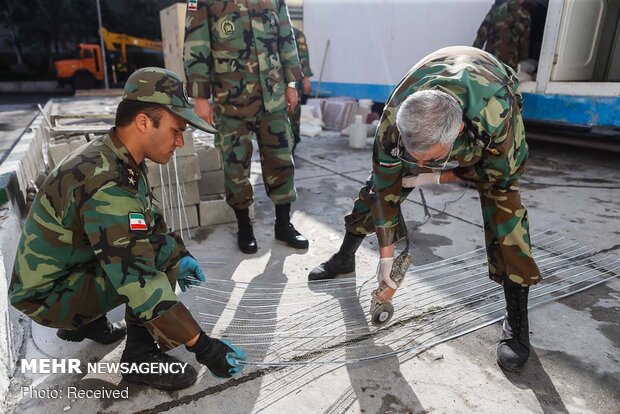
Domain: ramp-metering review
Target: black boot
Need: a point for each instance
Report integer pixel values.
(245, 234)
(514, 346)
(100, 330)
(142, 349)
(284, 228)
(340, 263)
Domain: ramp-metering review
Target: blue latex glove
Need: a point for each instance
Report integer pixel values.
(234, 357)
(190, 273)
(221, 357)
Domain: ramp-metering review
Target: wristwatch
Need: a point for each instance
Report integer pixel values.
(292, 85)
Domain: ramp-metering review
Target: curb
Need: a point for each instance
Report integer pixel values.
(31, 87)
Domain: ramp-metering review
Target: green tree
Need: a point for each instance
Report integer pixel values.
(46, 29)
(135, 17)
(13, 15)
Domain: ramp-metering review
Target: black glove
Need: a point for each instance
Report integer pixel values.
(221, 357)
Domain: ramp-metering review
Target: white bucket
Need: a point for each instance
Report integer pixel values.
(357, 133)
(365, 103)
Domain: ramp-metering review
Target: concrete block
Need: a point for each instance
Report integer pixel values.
(189, 170)
(188, 147)
(188, 220)
(209, 158)
(211, 182)
(172, 21)
(77, 143)
(189, 196)
(214, 210)
(203, 139)
(59, 151)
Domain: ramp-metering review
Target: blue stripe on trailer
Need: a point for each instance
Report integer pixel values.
(568, 109)
(573, 110)
(376, 92)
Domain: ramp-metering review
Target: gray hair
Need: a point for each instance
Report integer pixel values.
(428, 117)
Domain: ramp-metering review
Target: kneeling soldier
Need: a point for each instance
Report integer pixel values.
(93, 240)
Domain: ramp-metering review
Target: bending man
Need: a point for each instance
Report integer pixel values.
(458, 103)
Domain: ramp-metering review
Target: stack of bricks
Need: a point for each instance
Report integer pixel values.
(213, 207)
(175, 184)
(198, 171)
(60, 147)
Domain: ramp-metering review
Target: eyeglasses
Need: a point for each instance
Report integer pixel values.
(433, 165)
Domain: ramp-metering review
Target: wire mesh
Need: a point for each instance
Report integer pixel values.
(329, 323)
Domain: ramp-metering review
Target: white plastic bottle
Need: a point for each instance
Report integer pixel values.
(357, 134)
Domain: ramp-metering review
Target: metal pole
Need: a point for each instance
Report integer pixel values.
(318, 85)
(105, 65)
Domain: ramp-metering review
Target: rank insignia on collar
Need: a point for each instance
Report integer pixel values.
(131, 177)
(493, 151)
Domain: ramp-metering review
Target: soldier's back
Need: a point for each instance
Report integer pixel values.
(505, 28)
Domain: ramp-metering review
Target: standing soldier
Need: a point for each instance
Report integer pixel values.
(458, 103)
(303, 87)
(505, 32)
(243, 54)
(93, 240)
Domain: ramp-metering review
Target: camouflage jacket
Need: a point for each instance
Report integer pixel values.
(302, 49)
(242, 52)
(491, 149)
(82, 216)
(505, 32)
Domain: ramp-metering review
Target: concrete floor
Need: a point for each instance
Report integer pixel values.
(575, 364)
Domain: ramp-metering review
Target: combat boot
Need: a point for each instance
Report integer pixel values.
(100, 330)
(284, 229)
(245, 234)
(514, 346)
(140, 348)
(340, 263)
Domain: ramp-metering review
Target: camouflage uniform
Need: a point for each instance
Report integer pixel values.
(243, 54)
(304, 60)
(491, 152)
(78, 258)
(93, 238)
(505, 32)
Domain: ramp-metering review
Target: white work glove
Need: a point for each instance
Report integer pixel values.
(421, 179)
(384, 270)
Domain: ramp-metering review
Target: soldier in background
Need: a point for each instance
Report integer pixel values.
(93, 240)
(302, 87)
(505, 32)
(462, 104)
(243, 55)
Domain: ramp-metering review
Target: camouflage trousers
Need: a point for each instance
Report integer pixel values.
(506, 230)
(275, 143)
(295, 118)
(87, 294)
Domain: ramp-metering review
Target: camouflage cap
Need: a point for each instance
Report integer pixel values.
(162, 86)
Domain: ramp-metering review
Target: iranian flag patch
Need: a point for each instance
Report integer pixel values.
(192, 5)
(137, 222)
